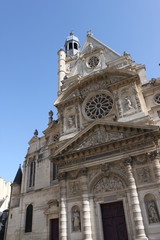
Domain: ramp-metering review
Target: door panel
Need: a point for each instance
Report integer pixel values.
(54, 229)
(114, 225)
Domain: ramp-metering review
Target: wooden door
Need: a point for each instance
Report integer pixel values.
(54, 229)
(114, 225)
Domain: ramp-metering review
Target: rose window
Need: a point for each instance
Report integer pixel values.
(93, 62)
(157, 99)
(99, 106)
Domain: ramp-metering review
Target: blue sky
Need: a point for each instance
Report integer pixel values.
(32, 32)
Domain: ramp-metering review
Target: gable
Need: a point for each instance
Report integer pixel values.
(93, 57)
(92, 44)
(101, 133)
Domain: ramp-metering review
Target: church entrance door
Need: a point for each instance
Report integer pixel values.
(54, 229)
(114, 225)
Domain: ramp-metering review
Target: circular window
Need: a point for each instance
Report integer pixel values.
(98, 106)
(93, 62)
(157, 98)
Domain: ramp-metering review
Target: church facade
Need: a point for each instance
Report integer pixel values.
(95, 174)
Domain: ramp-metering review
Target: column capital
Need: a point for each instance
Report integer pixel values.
(152, 155)
(83, 171)
(128, 161)
(62, 176)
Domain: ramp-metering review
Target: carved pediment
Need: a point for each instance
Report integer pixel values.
(99, 136)
(100, 133)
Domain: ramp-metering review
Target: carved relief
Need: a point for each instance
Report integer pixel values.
(73, 174)
(118, 103)
(113, 183)
(98, 137)
(120, 168)
(144, 175)
(141, 159)
(92, 173)
(102, 84)
(76, 219)
(74, 188)
(106, 169)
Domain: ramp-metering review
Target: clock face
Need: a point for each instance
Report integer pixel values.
(93, 62)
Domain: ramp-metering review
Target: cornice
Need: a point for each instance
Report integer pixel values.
(142, 137)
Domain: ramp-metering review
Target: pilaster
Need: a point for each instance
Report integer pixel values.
(155, 157)
(87, 231)
(63, 207)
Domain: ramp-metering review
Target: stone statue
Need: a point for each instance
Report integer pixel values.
(71, 121)
(36, 133)
(128, 103)
(153, 213)
(76, 221)
(50, 117)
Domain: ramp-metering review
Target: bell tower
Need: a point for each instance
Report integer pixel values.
(72, 45)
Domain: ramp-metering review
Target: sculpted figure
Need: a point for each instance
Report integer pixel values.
(153, 214)
(71, 121)
(128, 103)
(76, 221)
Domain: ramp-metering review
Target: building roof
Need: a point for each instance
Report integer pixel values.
(18, 177)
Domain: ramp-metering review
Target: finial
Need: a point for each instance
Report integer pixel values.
(71, 33)
(50, 117)
(19, 165)
(89, 33)
(36, 133)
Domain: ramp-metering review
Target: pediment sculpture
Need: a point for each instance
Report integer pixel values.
(99, 136)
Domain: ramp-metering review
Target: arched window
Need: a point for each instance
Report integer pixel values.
(75, 46)
(32, 169)
(29, 215)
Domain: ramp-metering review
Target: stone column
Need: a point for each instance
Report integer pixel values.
(93, 220)
(155, 157)
(135, 206)
(63, 207)
(87, 231)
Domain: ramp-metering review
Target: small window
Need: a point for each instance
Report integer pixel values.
(54, 171)
(158, 112)
(32, 173)
(70, 46)
(75, 46)
(29, 214)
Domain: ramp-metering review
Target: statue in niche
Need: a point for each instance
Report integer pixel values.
(71, 122)
(76, 221)
(152, 212)
(128, 103)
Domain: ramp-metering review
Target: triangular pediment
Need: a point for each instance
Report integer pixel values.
(92, 44)
(102, 132)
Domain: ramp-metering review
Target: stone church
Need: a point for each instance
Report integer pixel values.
(95, 173)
